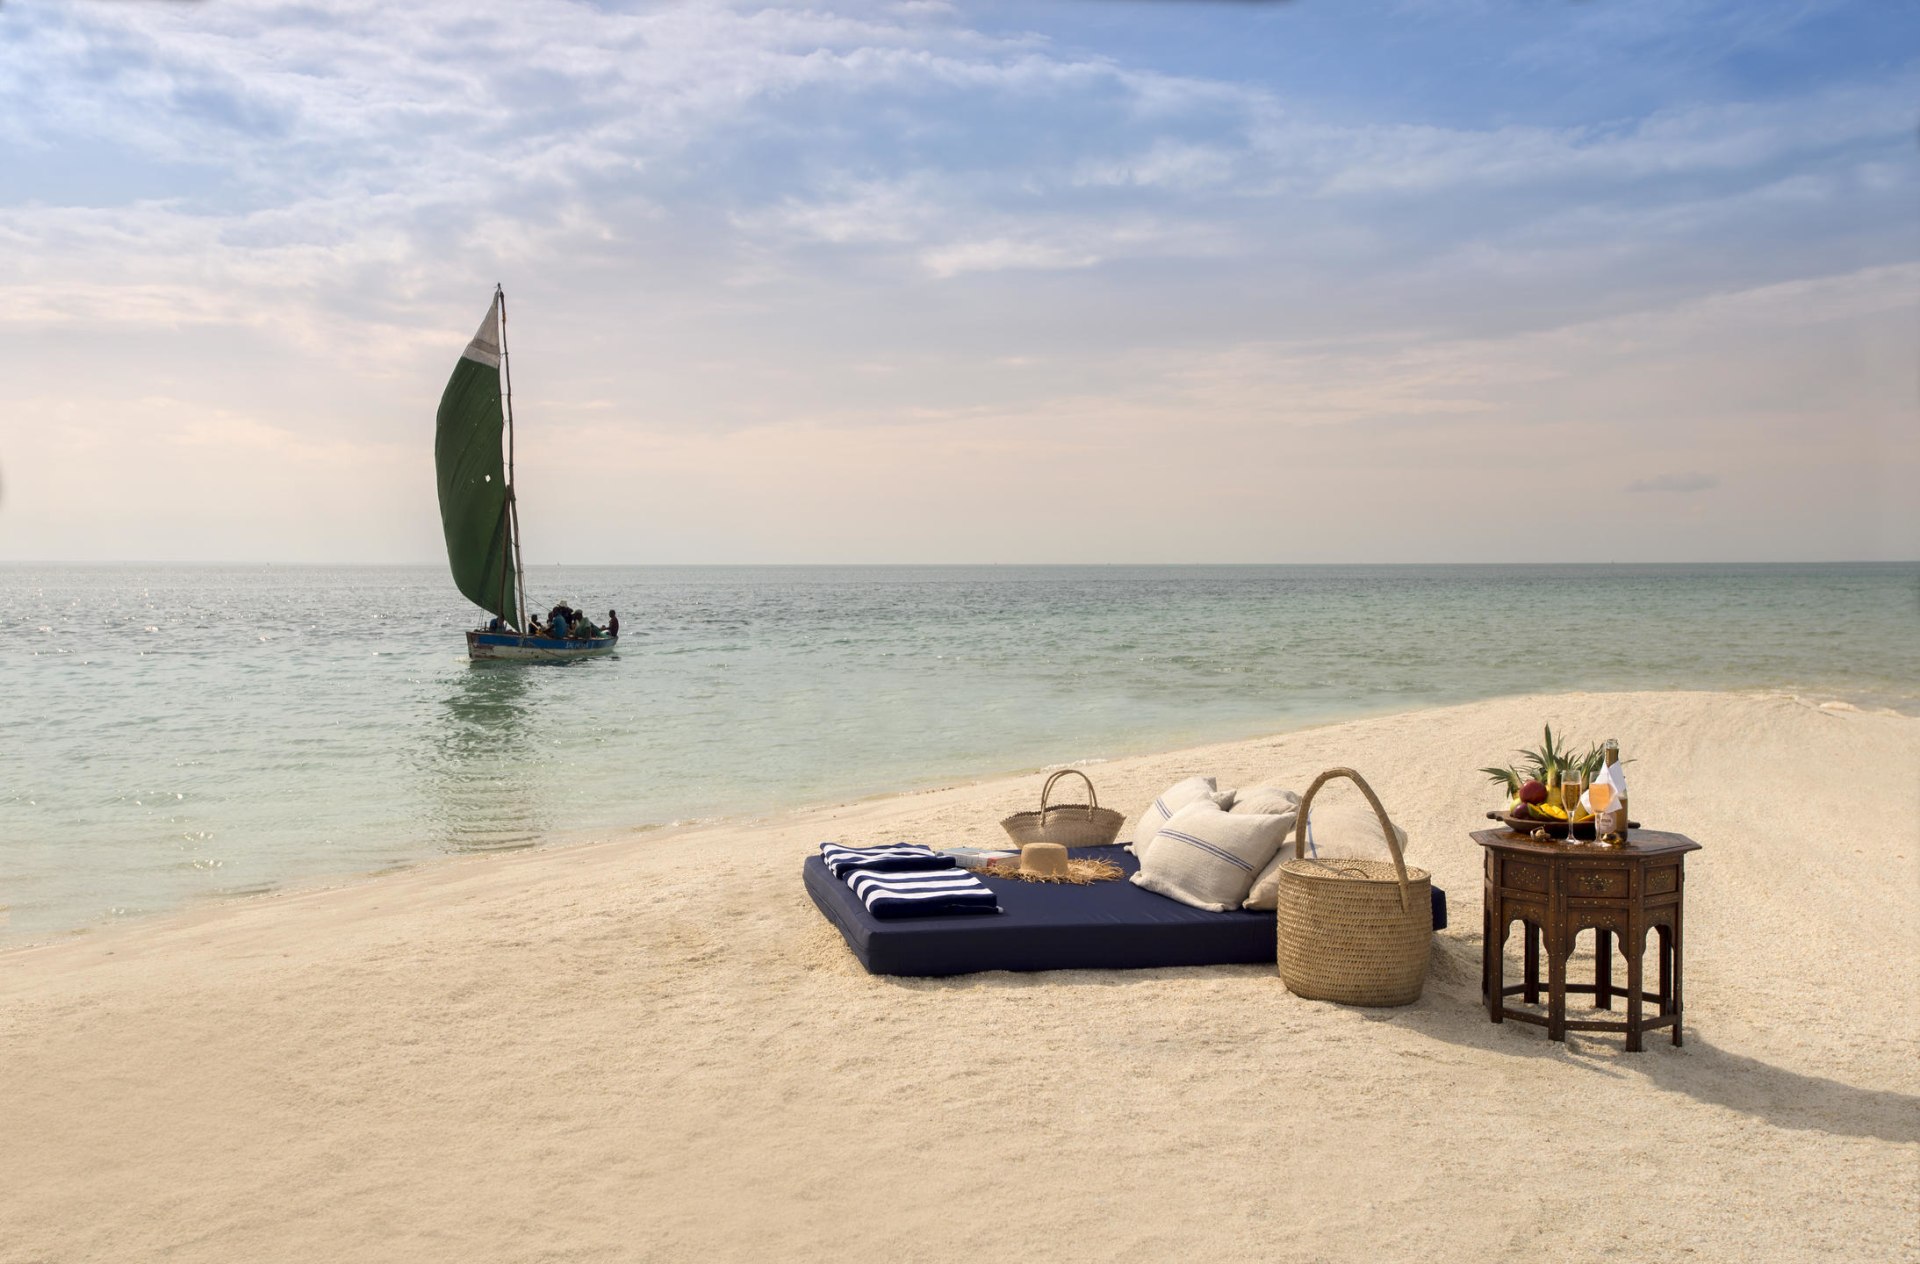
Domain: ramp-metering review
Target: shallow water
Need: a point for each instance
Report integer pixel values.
(170, 734)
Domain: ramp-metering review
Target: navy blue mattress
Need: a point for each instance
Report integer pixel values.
(1053, 926)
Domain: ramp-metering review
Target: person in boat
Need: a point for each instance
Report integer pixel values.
(583, 628)
(497, 624)
(557, 625)
(613, 623)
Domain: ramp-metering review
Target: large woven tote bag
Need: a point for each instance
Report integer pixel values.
(1359, 932)
(1071, 824)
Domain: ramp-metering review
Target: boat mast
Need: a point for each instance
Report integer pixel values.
(513, 499)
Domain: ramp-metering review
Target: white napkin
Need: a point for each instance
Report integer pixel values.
(1613, 775)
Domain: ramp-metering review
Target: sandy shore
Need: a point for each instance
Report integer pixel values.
(655, 1048)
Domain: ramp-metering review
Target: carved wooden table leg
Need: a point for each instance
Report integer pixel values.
(1679, 1010)
(1665, 949)
(1532, 932)
(1493, 965)
(1635, 942)
(1602, 969)
(1559, 944)
(1486, 942)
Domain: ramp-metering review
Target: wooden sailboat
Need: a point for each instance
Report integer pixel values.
(473, 458)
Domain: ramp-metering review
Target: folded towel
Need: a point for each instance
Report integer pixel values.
(929, 893)
(842, 861)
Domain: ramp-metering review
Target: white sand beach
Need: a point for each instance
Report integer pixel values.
(654, 1048)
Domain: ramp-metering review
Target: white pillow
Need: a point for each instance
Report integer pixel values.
(1171, 800)
(1207, 857)
(1347, 829)
(1270, 801)
(1341, 829)
(1266, 801)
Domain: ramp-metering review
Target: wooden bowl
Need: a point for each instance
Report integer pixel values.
(1528, 824)
(1582, 831)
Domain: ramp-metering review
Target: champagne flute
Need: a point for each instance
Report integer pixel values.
(1600, 798)
(1573, 784)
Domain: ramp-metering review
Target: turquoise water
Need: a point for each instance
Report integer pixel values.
(171, 734)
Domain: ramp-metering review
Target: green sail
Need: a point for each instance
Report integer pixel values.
(475, 498)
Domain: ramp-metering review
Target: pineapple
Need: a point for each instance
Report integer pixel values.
(1548, 764)
(1509, 780)
(1549, 761)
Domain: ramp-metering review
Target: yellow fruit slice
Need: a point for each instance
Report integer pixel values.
(1552, 810)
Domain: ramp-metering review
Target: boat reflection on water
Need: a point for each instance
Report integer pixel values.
(483, 769)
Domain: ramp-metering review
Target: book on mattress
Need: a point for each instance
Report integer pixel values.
(977, 859)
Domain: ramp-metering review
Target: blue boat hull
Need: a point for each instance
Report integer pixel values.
(513, 647)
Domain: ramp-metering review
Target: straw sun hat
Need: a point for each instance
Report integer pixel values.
(1043, 860)
(1048, 862)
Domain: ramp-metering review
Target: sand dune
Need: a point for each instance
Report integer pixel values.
(654, 1048)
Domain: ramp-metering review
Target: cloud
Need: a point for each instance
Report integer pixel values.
(1679, 484)
(366, 144)
(388, 145)
(852, 212)
(1166, 163)
(789, 226)
(1070, 244)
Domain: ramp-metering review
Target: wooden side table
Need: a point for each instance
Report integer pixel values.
(1555, 890)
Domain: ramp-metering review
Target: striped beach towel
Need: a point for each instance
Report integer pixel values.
(929, 893)
(842, 861)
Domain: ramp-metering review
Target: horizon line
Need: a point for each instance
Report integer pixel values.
(223, 562)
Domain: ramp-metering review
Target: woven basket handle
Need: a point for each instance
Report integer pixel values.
(1093, 799)
(1386, 827)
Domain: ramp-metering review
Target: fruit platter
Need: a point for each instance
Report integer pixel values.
(1582, 826)
(1545, 788)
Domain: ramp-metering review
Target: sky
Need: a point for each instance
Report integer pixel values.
(1055, 281)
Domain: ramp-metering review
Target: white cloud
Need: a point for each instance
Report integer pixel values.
(1695, 140)
(851, 212)
(996, 254)
(766, 228)
(1164, 164)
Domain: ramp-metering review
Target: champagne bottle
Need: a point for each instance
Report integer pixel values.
(1610, 818)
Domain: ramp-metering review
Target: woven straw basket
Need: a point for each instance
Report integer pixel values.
(1073, 824)
(1354, 931)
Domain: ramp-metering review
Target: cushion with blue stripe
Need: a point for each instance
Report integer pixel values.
(1208, 857)
(1270, 801)
(1169, 801)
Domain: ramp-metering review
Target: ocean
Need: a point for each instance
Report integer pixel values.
(173, 734)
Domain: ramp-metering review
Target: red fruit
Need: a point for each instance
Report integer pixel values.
(1533, 792)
